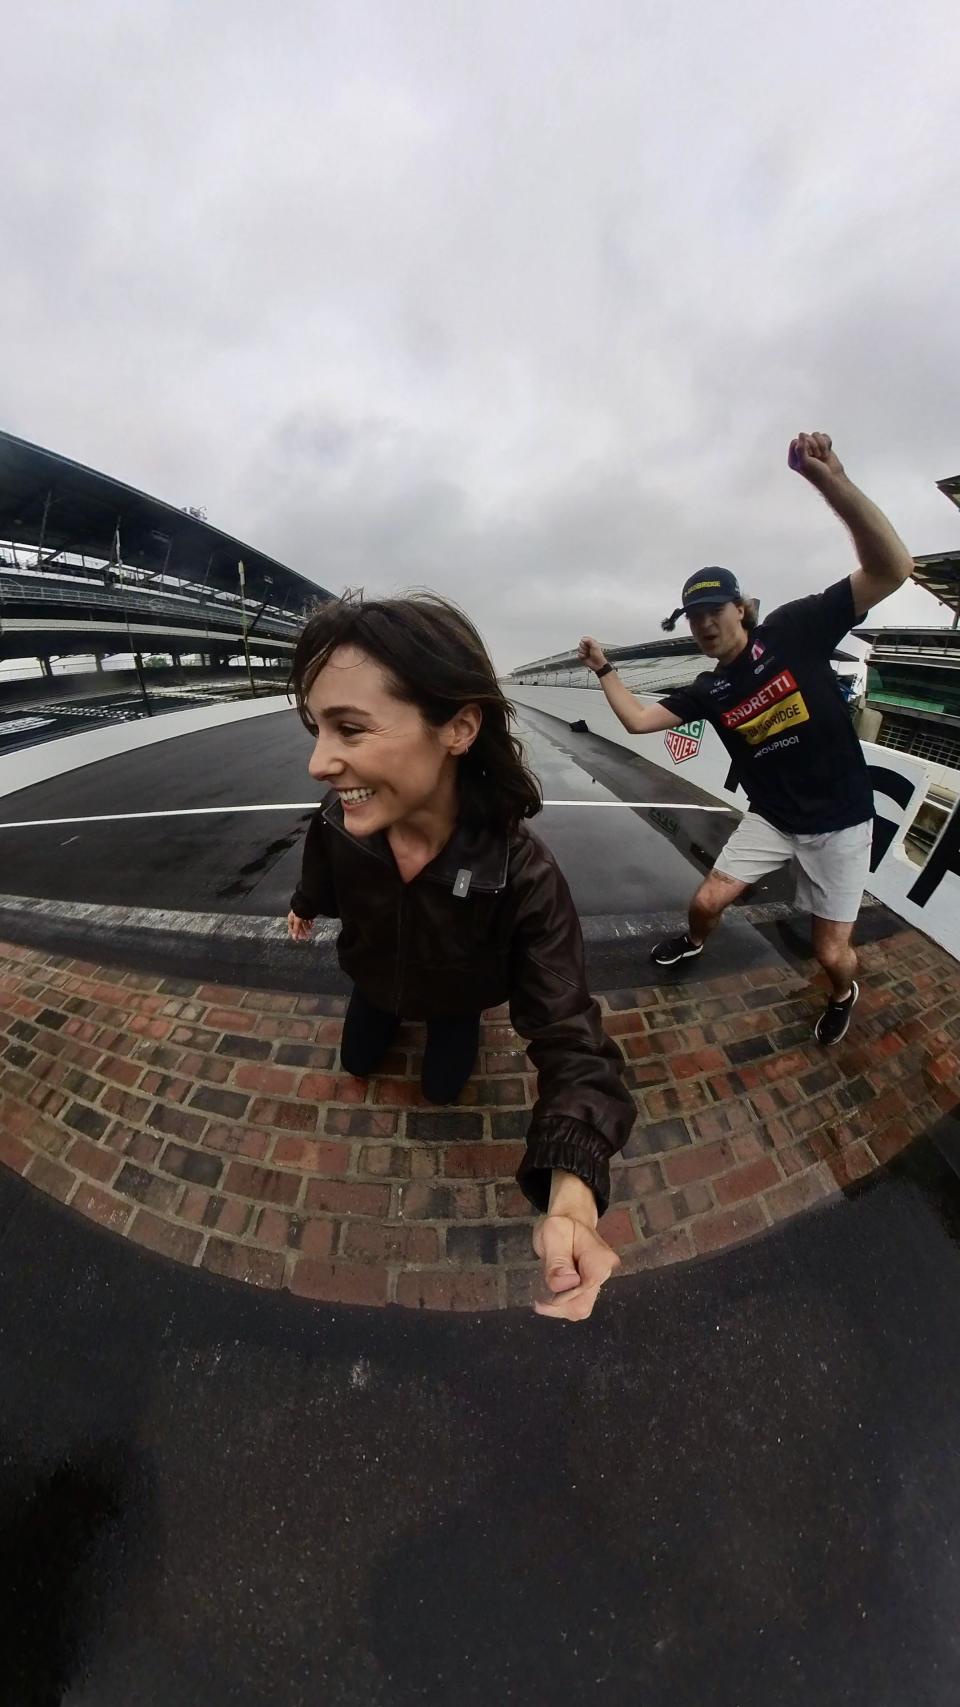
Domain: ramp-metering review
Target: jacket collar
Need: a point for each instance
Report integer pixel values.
(485, 854)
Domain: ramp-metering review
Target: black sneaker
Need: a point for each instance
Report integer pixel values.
(835, 1019)
(676, 948)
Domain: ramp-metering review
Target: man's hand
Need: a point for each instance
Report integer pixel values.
(298, 929)
(813, 456)
(591, 653)
(576, 1261)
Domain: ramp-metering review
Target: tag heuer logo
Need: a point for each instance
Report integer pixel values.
(684, 741)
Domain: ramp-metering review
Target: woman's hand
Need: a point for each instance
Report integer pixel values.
(298, 929)
(576, 1261)
(591, 653)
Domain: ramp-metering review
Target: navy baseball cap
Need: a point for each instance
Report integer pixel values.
(705, 589)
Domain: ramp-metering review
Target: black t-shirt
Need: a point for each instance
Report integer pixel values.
(780, 713)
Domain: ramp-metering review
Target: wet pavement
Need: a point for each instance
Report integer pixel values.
(617, 861)
(739, 1483)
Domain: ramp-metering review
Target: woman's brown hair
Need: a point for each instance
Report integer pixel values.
(434, 659)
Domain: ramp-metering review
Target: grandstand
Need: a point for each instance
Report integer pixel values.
(652, 667)
(91, 568)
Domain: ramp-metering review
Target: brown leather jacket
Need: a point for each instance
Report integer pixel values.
(489, 920)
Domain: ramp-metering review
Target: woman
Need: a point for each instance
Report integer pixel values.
(449, 904)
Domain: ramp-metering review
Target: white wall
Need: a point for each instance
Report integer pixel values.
(897, 881)
(53, 758)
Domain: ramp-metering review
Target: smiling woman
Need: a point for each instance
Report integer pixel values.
(449, 904)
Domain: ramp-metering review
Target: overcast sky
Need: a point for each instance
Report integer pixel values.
(521, 300)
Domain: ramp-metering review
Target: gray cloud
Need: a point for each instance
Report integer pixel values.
(523, 303)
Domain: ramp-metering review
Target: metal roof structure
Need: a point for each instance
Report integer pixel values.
(57, 505)
(939, 573)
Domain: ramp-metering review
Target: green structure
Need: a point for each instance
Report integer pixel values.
(913, 674)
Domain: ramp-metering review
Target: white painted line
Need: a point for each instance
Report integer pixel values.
(661, 805)
(307, 806)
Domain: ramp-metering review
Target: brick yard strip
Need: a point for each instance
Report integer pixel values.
(214, 1126)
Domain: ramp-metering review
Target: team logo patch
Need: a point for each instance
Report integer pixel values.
(757, 650)
(777, 688)
(778, 705)
(684, 742)
(776, 718)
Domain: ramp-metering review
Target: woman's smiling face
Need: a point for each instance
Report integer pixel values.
(385, 761)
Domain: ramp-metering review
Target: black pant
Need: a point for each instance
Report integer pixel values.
(448, 1059)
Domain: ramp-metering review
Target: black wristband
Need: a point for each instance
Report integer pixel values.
(605, 671)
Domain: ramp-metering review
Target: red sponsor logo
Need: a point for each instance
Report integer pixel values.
(777, 688)
(684, 741)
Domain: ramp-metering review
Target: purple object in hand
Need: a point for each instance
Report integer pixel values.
(793, 459)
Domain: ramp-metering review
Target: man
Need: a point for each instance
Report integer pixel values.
(776, 704)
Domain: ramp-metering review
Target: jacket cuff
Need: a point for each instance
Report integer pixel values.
(560, 1142)
(302, 905)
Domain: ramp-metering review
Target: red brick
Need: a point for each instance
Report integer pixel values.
(365, 1122)
(438, 1200)
(660, 1211)
(284, 1030)
(241, 1262)
(510, 1202)
(617, 1228)
(637, 1046)
(93, 1160)
(220, 993)
(852, 1164)
(345, 1197)
(385, 1161)
(403, 1093)
(194, 1204)
(496, 1061)
(277, 1229)
(671, 1246)
(434, 1289)
(749, 1146)
(272, 1081)
(230, 1019)
(101, 1206)
(51, 1177)
(180, 1244)
(680, 1167)
(230, 1216)
(237, 1140)
(13, 1153)
(317, 1237)
(617, 1024)
(339, 1282)
(141, 1147)
(386, 1242)
(482, 1161)
(747, 1181)
(271, 1001)
(706, 1060)
(119, 1071)
(728, 1226)
(634, 1180)
(291, 1116)
(313, 1156)
(263, 1185)
(801, 1192)
(125, 1105)
(890, 1140)
(325, 1087)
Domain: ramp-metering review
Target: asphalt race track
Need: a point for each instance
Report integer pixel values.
(616, 860)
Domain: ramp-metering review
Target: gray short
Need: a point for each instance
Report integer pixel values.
(834, 867)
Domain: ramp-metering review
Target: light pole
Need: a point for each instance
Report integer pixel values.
(243, 620)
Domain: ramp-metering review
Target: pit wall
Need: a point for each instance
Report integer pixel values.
(927, 897)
